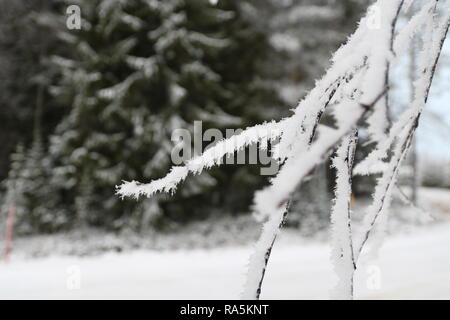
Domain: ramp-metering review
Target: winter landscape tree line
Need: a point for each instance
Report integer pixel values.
(84, 109)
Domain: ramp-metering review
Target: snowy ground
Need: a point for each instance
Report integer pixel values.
(217, 231)
(411, 266)
(414, 263)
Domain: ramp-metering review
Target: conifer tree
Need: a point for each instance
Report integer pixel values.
(140, 70)
(25, 75)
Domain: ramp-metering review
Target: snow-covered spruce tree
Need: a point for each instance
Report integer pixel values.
(142, 69)
(354, 88)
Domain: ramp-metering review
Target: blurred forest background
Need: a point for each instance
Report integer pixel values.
(82, 110)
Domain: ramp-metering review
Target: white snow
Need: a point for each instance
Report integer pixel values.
(411, 266)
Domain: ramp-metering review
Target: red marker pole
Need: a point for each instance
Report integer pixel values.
(9, 233)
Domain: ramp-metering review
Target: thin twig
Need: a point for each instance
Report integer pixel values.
(409, 201)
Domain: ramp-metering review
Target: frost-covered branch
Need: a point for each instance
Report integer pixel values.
(354, 88)
(433, 40)
(341, 218)
(211, 157)
(290, 177)
(258, 261)
(373, 162)
(379, 62)
(272, 202)
(260, 258)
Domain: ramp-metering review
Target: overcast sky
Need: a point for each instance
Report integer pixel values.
(433, 135)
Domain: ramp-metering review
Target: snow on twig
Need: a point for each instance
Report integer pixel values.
(211, 157)
(341, 220)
